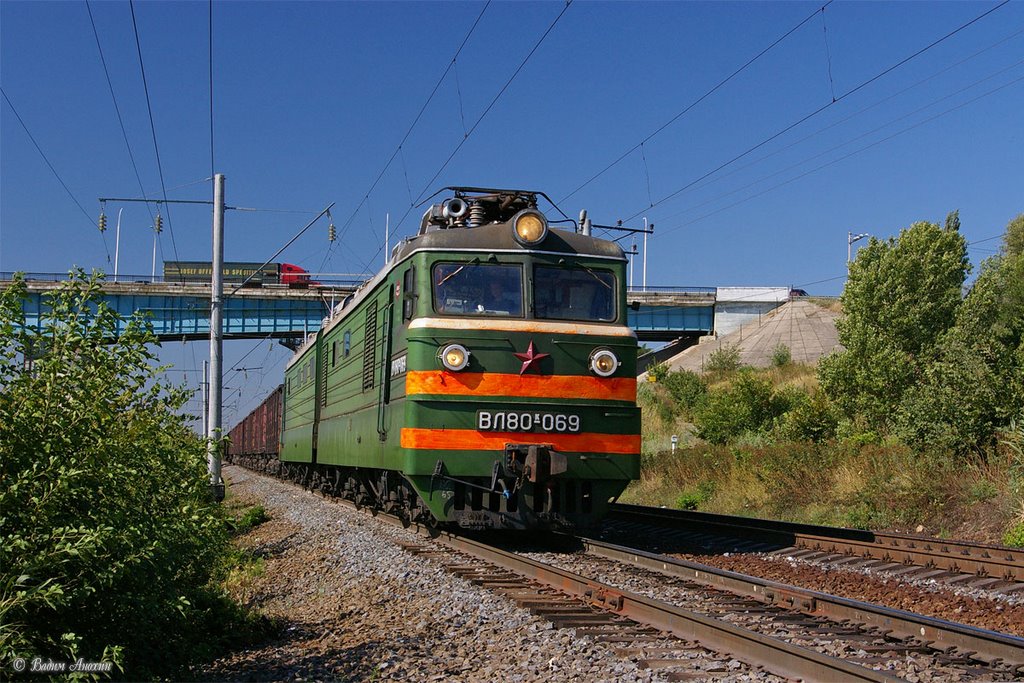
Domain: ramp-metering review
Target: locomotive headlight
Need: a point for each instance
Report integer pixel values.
(603, 363)
(529, 227)
(455, 357)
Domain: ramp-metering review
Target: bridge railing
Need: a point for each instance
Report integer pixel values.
(7, 276)
(668, 289)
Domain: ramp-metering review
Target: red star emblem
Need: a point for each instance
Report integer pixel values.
(529, 358)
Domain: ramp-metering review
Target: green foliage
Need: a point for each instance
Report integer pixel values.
(250, 519)
(657, 371)
(955, 404)
(897, 487)
(744, 406)
(781, 356)
(1013, 243)
(809, 417)
(687, 388)
(108, 537)
(901, 297)
(981, 491)
(972, 382)
(1014, 536)
(953, 221)
(694, 498)
(726, 358)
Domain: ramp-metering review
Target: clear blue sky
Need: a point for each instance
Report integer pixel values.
(311, 99)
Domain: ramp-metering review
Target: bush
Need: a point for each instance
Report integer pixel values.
(657, 371)
(250, 519)
(726, 358)
(808, 418)
(745, 406)
(781, 356)
(108, 536)
(686, 387)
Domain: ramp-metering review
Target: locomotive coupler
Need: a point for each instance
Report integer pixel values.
(534, 463)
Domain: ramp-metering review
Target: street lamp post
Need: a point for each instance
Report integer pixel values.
(117, 241)
(850, 239)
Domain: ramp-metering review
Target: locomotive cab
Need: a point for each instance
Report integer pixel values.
(520, 390)
(486, 378)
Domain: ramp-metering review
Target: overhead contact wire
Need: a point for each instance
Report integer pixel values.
(117, 109)
(494, 101)
(53, 170)
(478, 121)
(693, 104)
(822, 108)
(847, 156)
(845, 143)
(152, 127)
(415, 121)
(863, 110)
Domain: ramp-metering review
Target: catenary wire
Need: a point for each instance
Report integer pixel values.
(152, 127)
(852, 115)
(820, 109)
(693, 104)
(117, 109)
(844, 157)
(54, 171)
(426, 188)
(494, 101)
(842, 144)
(408, 132)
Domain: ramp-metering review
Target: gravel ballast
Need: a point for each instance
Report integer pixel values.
(355, 606)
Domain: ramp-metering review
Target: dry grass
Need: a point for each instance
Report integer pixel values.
(844, 484)
(829, 303)
(877, 487)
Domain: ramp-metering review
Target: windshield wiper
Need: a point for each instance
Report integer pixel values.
(474, 262)
(595, 276)
(453, 274)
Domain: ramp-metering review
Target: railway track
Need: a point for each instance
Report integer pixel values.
(715, 623)
(993, 568)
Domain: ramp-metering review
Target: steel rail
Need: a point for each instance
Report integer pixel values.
(983, 560)
(990, 647)
(755, 649)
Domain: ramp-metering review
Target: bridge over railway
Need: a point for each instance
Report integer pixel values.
(181, 312)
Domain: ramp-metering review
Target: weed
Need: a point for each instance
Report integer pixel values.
(691, 499)
(251, 518)
(1014, 536)
(980, 491)
(726, 358)
(781, 356)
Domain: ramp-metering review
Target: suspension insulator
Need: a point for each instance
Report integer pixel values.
(476, 215)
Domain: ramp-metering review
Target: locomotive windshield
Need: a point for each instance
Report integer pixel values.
(484, 289)
(574, 293)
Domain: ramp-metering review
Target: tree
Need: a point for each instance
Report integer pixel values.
(1013, 243)
(974, 383)
(901, 297)
(108, 535)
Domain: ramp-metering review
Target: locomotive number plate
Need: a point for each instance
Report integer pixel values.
(525, 421)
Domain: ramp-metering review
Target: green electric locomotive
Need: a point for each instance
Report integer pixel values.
(485, 378)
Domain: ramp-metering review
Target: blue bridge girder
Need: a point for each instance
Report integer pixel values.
(182, 311)
(667, 313)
